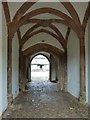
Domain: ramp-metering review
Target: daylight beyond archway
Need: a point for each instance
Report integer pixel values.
(44, 59)
(40, 68)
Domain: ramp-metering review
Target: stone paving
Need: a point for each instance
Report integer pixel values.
(43, 99)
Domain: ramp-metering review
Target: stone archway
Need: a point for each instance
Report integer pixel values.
(30, 61)
(73, 22)
(57, 54)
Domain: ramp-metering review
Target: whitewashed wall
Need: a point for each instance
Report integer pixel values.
(73, 53)
(15, 66)
(86, 56)
(4, 63)
(0, 60)
(89, 62)
(73, 65)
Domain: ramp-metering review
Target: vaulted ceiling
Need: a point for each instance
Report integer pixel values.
(49, 22)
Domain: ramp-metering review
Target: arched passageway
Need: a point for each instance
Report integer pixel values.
(35, 28)
(47, 70)
(42, 69)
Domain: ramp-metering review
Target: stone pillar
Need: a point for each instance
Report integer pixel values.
(52, 69)
(62, 71)
(61, 76)
(20, 69)
(59, 72)
(65, 70)
(28, 70)
(82, 69)
(24, 74)
(9, 70)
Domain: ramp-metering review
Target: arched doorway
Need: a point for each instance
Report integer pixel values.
(54, 56)
(40, 68)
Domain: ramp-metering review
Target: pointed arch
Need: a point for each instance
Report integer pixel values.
(16, 24)
(39, 54)
(38, 25)
(51, 11)
(45, 10)
(42, 31)
(69, 7)
(42, 47)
